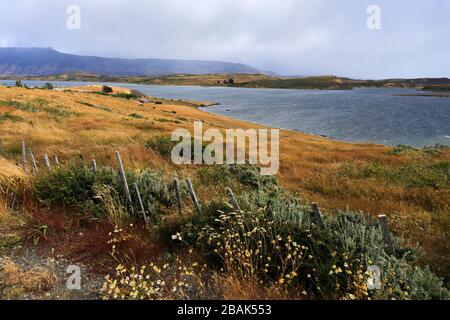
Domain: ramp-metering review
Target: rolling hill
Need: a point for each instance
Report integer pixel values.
(47, 61)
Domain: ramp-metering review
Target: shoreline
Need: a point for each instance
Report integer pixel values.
(431, 95)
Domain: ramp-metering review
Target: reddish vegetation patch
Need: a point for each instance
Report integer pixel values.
(88, 241)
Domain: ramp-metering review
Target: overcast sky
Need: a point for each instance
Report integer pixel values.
(297, 37)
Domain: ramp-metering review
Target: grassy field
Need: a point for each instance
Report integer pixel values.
(411, 186)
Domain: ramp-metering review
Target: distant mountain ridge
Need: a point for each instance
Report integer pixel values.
(47, 61)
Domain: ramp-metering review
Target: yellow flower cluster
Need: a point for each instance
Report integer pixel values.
(155, 282)
(250, 248)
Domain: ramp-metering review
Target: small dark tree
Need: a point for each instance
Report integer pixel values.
(231, 81)
(49, 86)
(107, 89)
(19, 83)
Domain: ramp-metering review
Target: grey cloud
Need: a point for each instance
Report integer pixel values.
(286, 36)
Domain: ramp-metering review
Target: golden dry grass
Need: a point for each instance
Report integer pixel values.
(310, 165)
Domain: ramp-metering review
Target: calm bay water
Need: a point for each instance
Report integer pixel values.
(359, 115)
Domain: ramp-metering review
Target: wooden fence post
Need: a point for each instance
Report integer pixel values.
(193, 196)
(24, 156)
(33, 161)
(232, 198)
(389, 244)
(141, 205)
(176, 187)
(47, 162)
(123, 178)
(317, 214)
(94, 165)
(1, 147)
(56, 160)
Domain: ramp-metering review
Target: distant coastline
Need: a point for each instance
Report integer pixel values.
(239, 80)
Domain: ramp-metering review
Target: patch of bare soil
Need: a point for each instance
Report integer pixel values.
(25, 275)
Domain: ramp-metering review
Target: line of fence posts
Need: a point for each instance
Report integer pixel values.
(383, 220)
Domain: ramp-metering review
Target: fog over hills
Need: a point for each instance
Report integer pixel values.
(47, 61)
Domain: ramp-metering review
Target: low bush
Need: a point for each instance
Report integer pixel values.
(136, 116)
(405, 149)
(39, 105)
(164, 145)
(434, 175)
(279, 241)
(330, 262)
(48, 86)
(100, 193)
(74, 185)
(106, 89)
(10, 117)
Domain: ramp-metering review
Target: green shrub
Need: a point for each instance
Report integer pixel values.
(39, 105)
(87, 104)
(10, 117)
(106, 89)
(434, 175)
(244, 174)
(136, 116)
(168, 120)
(402, 148)
(127, 96)
(78, 186)
(430, 150)
(48, 86)
(154, 193)
(282, 243)
(74, 185)
(164, 145)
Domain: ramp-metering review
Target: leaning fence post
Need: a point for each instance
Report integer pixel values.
(141, 205)
(317, 214)
(389, 244)
(176, 187)
(94, 165)
(123, 178)
(47, 162)
(33, 161)
(193, 195)
(233, 199)
(56, 160)
(24, 156)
